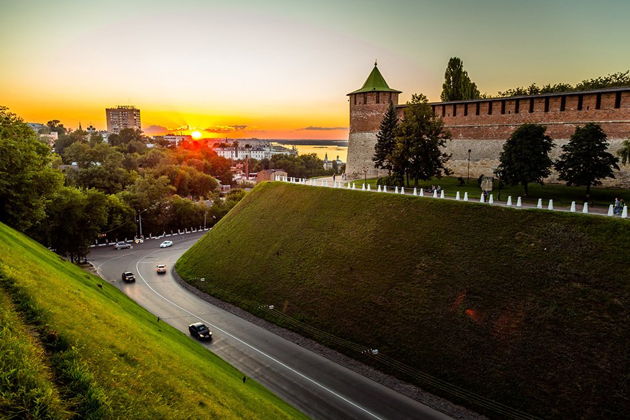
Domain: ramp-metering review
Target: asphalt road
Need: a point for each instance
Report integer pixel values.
(317, 386)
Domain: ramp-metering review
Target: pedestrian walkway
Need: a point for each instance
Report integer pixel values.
(514, 202)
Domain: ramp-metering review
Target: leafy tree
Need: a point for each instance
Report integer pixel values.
(624, 152)
(420, 137)
(584, 160)
(126, 136)
(525, 157)
(75, 219)
(57, 127)
(385, 140)
(28, 180)
(619, 79)
(457, 85)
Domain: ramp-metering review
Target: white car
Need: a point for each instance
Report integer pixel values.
(161, 269)
(166, 244)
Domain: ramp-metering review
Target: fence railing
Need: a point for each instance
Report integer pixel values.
(618, 211)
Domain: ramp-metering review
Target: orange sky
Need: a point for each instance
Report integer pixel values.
(281, 68)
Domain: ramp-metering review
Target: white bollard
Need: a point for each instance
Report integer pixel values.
(442, 194)
(611, 210)
(550, 205)
(369, 189)
(384, 188)
(415, 191)
(457, 196)
(354, 186)
(519, 203)
(509, 201)
(585, 207)
(491, 199)
(402, 190)
(421, 192)
(572, 210)
(434, 193)
(378, 189)
(465, 195)
(482, 199)
(539, 205)
(363, 187)
(624, 212)
(396, 190)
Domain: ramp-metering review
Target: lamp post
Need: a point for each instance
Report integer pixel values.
(468, 175)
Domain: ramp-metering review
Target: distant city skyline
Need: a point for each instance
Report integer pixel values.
(281, 69)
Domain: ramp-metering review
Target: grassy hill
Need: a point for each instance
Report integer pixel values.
(69, 348)
(526, 307)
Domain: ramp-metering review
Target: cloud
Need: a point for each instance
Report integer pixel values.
(225, 128)
(312, 128)
(155, 129)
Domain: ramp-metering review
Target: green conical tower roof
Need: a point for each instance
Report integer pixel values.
(375, 83)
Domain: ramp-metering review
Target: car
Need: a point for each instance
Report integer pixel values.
(161, 269)
(128, 277)
(200, 331)
(122, 245)
(166, 244)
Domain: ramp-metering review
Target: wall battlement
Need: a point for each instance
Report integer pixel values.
(483, 125)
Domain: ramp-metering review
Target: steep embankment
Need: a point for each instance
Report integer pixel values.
(529, 308)
(73, 345)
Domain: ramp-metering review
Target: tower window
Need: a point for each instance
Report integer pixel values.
(618, 100)
(598, 101)
(454, 110)
(378, 97)
(531, 105)
(517, 104)
(563, 103)
(443, 110)
(502, 107)
(547, 104)
(580, 102)
(477, 108)
(465, 110)
(489, 108)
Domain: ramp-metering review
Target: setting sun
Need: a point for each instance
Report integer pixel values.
(196, 134)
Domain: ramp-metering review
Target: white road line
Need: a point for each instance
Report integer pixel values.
(341, 397)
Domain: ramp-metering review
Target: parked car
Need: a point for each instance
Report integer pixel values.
(200, 331)
(166, 244)
(122, 245)
(128, 277)
(161, 269)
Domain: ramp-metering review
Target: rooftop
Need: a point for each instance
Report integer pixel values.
(375, 83)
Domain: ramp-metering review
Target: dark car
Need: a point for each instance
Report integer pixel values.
(200, 331)
(128, 277)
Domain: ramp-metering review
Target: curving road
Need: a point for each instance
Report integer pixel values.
(317, 386)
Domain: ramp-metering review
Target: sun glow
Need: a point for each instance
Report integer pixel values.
(196, 134)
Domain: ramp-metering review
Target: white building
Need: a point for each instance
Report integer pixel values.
(177, 138)
(246, 150)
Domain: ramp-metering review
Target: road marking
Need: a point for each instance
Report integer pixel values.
(341, 397)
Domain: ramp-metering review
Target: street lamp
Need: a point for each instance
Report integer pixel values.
(468, 176)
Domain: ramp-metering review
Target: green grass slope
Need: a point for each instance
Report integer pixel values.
(526, 307)
(69, 348)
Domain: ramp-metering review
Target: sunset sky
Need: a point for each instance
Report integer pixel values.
(281, 69)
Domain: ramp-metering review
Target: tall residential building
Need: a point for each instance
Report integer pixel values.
(122, 117)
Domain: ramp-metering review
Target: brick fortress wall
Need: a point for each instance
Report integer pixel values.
(482, 126)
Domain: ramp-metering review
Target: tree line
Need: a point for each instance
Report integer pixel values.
(90, 189)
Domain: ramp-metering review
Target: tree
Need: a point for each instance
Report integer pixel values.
(457, 85)
(28, 180)
(57, 127)
(525, 156)
(584, 160)
(420, 137)
(624, 152)
(385, 140)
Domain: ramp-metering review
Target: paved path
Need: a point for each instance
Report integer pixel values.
(328, 182)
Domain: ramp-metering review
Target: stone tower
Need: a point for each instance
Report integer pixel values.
(367, 107)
